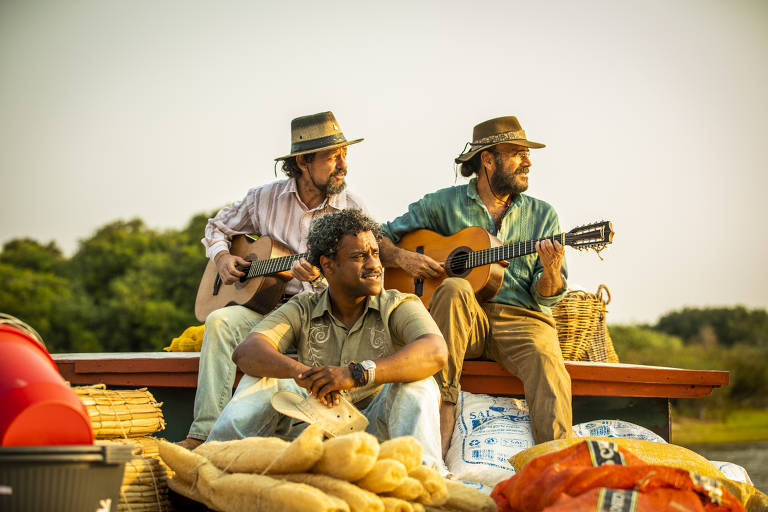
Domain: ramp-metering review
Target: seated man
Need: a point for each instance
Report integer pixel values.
(283, 210)
(379, 349)
(515, 327)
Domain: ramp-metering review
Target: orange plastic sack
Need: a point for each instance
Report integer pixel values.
(602, 499)
(576, 481)
(509, 493)
(594, 464)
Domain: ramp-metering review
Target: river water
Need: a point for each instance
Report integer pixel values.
(751, 456)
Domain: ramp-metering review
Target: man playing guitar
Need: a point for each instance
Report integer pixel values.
(514, 327)
(282, 210)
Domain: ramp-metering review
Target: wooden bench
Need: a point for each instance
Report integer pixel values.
(639, 394)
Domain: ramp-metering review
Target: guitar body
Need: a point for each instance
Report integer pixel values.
(260, 294)
(485, 280)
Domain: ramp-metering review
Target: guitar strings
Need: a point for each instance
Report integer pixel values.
(481, 256)
(272, 265)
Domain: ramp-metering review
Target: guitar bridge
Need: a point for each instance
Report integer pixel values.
(216, 284)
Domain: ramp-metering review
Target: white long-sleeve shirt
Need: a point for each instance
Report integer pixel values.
(273, 210)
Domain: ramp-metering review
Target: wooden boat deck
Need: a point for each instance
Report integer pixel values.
(635, 393)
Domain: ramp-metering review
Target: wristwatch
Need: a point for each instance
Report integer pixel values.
(370, 370)
(358, 373)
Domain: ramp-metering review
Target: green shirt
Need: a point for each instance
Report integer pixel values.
(306, 325)
(452, 209)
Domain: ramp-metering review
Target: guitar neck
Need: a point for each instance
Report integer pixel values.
(273, 265)
(510, 251)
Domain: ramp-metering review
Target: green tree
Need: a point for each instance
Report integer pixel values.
(50, 304)
(143, 282)
(731, 325)
(111, 252)
(32, 255)
(641, 344)
(141, 314)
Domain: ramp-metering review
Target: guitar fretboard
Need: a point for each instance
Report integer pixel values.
(509, 251)
(273, 265)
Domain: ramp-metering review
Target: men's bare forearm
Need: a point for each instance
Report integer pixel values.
(418, 360)
(417, 265)
(388, 252)
(550, 284)
(257, 357)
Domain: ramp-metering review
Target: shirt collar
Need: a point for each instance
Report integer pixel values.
(473, 194)
(323, 304)
(336, 201)
(472, 189)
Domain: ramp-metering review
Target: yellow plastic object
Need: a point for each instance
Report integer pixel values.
(649, 451)
(191, 340)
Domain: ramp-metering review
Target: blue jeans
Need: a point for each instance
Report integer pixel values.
(225, 328)
(400, 409)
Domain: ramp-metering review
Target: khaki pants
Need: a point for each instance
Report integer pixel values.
(524, 342)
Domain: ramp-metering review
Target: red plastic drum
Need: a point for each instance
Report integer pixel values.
(37, 407)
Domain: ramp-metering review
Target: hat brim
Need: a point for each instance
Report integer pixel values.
(324, 148)
(464, 157)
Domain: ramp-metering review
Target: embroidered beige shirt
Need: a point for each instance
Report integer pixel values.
(273, 210)
(306, 325)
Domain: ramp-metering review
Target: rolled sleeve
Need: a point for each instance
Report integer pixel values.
(549, 301)
(237, 219)
(411, 320)
(282, 327)
(417, 217)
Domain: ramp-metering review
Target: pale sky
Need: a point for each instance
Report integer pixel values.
(654, 114)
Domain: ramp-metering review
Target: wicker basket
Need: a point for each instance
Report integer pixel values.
(581, 326)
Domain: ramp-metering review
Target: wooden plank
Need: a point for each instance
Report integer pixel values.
(616, 372)
(140, 380)
(588, 379)
(513, 386)
(139, 365)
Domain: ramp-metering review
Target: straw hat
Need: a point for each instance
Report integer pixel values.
(500, 130)
(316, 132)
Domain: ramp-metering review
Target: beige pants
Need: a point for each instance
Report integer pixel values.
(524, 342)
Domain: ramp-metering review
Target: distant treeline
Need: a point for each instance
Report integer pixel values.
(127, 288)
(733, 339)
(132, 288)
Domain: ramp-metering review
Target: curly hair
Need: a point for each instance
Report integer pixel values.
(292, 169)
(326, 232)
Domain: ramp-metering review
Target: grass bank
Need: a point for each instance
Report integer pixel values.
(739, 426)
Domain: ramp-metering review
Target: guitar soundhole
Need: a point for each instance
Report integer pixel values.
(456, 262)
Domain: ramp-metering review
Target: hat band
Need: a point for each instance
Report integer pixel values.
(499, 137)
(320, 143)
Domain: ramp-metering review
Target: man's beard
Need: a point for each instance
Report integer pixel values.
(332, 188)
(505, 183)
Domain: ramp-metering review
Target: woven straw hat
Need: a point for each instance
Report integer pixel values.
(495, 131)
(316, 132)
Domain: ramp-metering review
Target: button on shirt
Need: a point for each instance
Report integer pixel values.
(306, 325)
(273, 210)
(452, 209)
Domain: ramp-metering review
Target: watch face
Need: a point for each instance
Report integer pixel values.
(368, 364)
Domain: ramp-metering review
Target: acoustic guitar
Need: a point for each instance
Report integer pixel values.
(473, 254)
(260, 289)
